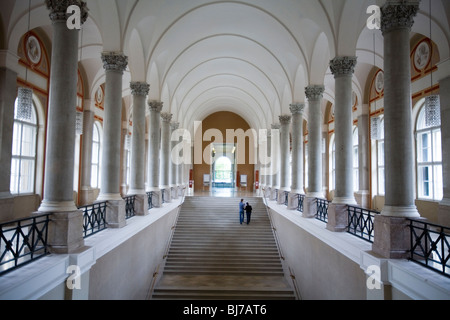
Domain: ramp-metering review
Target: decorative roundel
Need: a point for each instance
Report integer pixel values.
(33, 49)
(422, 55)
(99, 95)
(379, 81)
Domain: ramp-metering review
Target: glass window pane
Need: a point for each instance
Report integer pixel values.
(437, 146)
(27, 176)
(381, 153)
(424, 147)
(381, 185)
(438, 183)
(28, 141)
(424, 181)
(94, 176)
(14, 185)
(17, 136)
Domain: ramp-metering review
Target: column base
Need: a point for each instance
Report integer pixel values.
(87, 196)
(391, 237)
(141, 205)
(337, 217)
(363, 198)
(156, 198)
(109, 197)
(444, 213)
(293, 201)
(167, 194)
(65, 232)
(57, 206)
(400, 211)
(344, 200)
(115, 214)
(274, 192)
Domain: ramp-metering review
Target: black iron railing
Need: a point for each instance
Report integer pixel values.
(322, 209)
(430, 246)
(360, 222)
(23, 241)
(301, 198)
(150, 200)
(94, 218)
(286, 197)
(129, 206)
(163, 200)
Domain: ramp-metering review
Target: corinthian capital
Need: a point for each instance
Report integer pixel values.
(155, 106)
(139, 88)
(174, 125)
(341, 66)
(285, 119)
(58, 9)
(314, 92)
(297, 108)
(114, 61)
(166, 117)
(396, 14)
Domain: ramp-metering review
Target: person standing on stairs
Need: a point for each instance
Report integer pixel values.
(241, 211)
(248, 210)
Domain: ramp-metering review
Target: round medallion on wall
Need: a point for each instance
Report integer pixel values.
(422, 55)
(33, 49)
(99, 95)
(379, 82)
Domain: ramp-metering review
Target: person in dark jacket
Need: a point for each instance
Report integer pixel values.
(248, 210)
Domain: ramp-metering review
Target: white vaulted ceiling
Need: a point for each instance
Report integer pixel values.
(251, 57)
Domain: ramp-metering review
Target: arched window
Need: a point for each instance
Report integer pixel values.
(429, 160)
(355, 159)
(95, 161)
(23, 161)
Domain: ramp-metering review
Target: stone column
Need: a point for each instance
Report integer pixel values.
(165, 164)
(180, 168)
(363, 194)
(391, 232)
(275, 165)
(8, 93)
(66, 229)
(444, 206)
(173, 165)
(297, 186)
(125, 145)
(342, 69)
(114, 64)
(86, 196)
(155, 108)
(268, 178)
(314, 94)
(139, 90)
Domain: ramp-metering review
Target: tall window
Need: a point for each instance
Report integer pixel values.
(223, 170)
(380, 161)
(95, 161)
(429, 160)
(355, 159)
(23, 163)
(333, 163)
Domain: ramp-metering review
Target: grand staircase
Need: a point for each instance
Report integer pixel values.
(212, 256)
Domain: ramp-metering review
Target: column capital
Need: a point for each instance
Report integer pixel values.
(297, 108)
(174, 125)
(154, 105)
(285, 119)
(139, 88)
(276, 126)
(166, 117)
(341, 66)
(114, 61)
(315, 92)
(398, 14)
(58, 9)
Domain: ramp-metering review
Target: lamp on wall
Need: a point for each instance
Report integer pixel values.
(432, 102)
(24, 94)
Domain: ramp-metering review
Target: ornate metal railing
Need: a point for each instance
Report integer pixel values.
(150, 200)
(322, 209)
(360, 222)
(129, 206)
(301, 198)
(286, 197)
(430, 246)
(23, 241)
(94, 218)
